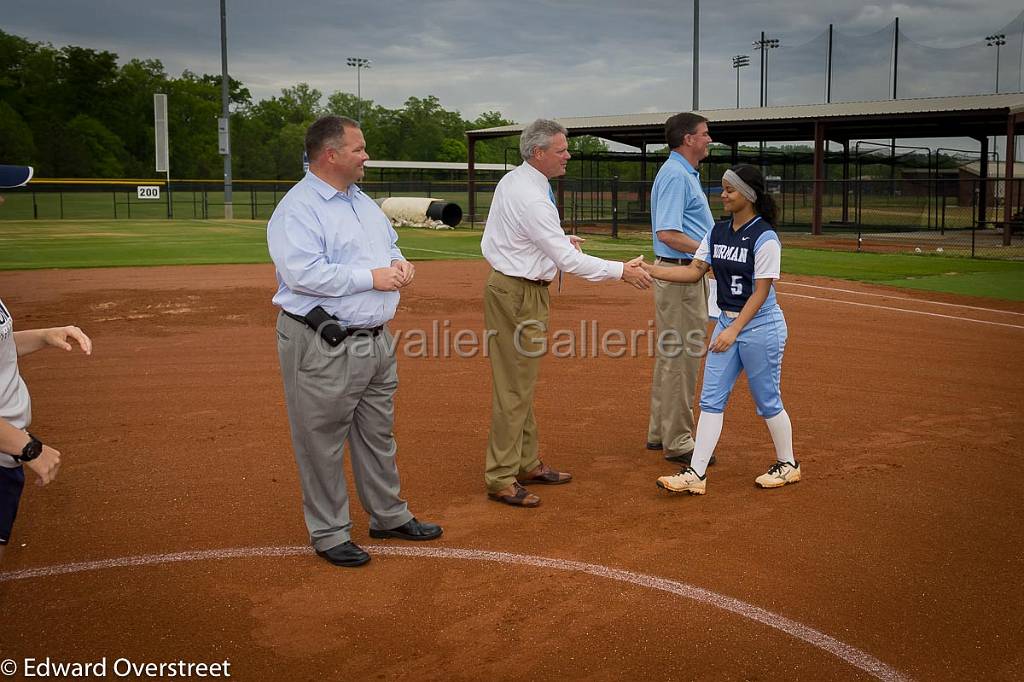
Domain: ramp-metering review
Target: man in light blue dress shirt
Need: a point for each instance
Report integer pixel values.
(680, 217)
(339, 270)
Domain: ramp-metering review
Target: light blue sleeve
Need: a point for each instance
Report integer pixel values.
(299, 254)
(670, 202)
(396, 253)
(766, 236)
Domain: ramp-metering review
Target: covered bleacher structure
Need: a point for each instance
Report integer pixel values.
(979, 117)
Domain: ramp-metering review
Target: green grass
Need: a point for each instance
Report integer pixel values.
(929, 272)
(33, 244)
(1004, 285)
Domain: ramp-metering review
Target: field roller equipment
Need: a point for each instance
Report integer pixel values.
(421, 211)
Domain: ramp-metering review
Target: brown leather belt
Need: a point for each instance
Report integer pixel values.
(675, 261)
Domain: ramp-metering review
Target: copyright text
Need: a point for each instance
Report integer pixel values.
(48, 668)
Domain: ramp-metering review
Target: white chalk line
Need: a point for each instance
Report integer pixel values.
(902, 310)
(463, 256)
(902, 298)
(855, 657)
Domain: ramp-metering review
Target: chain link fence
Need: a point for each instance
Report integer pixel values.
(858, 215)
(955, 217)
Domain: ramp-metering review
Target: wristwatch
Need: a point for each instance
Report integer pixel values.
(32, 449)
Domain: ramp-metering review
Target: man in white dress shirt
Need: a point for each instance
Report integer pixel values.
(526, 246)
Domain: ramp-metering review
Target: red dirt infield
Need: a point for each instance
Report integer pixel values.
(903, 540)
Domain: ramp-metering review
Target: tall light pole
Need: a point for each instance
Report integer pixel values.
(359, 63)
(770, 44)
(996, 40)
(696, 55)
(765, 44)
(738, 62)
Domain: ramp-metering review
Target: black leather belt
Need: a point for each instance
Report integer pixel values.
(348, 331)
(676, 261)
(369, 331)
(538, 282)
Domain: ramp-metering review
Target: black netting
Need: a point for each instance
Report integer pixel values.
(796, 72)
(967, 69)
(862, 65)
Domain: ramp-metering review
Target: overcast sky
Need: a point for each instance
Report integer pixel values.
(552, 58)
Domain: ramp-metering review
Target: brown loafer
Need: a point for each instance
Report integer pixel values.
(545, 475)
(515, 495)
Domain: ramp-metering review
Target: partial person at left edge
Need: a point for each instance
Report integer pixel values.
(339, 270)
(18, 447)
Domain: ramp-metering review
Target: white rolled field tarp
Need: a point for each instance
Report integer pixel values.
(419, 211)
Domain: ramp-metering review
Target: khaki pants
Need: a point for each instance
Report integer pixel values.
(513, 308)
(683, 308)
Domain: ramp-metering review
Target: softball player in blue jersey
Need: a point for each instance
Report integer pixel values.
(745, 254)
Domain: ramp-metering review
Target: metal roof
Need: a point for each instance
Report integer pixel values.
(996, 169)
(964, 116)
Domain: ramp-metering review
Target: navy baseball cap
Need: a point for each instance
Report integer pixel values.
(14, 176)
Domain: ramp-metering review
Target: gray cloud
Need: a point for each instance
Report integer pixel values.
(547, 57)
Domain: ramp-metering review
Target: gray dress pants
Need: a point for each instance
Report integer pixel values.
(333, 395)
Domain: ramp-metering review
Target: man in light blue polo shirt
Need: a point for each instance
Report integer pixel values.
(339, 270)
(680, 217)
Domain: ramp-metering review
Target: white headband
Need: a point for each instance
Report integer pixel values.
(743, 188)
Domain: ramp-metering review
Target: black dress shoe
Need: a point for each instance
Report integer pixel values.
(653, 446)
(410, 530)
(679, 457)
(345, 554)
(684, 458)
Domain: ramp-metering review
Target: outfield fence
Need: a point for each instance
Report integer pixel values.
(896, 215)
(858, 215)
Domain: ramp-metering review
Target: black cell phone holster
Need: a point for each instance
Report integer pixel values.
(326, 325)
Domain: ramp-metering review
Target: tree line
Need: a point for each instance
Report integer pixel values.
(76, 112)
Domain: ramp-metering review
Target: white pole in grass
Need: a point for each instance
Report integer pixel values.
(223, 124)
(161, 147)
